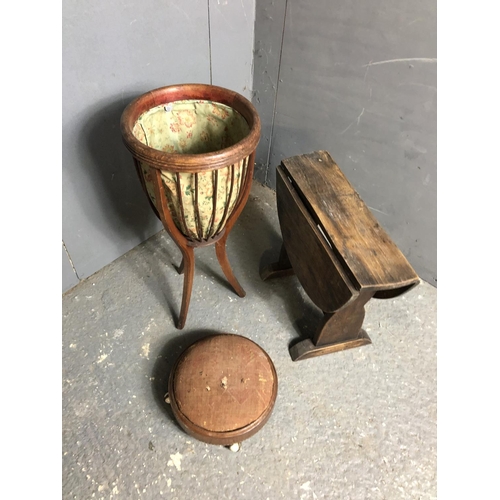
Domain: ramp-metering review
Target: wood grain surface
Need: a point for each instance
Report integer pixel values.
(338, 250)
(364, 249)
(316, 266)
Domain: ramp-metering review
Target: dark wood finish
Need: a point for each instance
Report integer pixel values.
(306, 349)
(337, 249)
(278, 269)
(339, 325)
(364, 249)
(195, 163)
(337, 331)
(222, 389)
(215, 180)
(321, 274)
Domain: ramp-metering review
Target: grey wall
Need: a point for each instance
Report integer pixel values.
(358, 79)
(112, 52)
(69, 277)
(355, 78)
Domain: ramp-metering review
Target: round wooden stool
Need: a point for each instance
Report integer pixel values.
(222, 389)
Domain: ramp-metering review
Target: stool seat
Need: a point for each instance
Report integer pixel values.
(222, 389)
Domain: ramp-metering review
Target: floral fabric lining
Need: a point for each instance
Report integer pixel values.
(191, 127)
(195, 127)
(186, 218)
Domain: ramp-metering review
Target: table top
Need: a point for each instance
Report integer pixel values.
(366, 252)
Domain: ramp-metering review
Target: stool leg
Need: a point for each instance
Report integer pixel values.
(188, 269)
(220, 251)
(278, 269)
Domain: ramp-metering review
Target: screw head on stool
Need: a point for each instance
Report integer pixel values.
(222, 389)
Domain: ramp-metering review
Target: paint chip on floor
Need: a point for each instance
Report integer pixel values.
(145, 351)
(175, 460)
(101, 358)
(117, 333)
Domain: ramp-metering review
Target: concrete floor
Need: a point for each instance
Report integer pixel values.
(359, 424)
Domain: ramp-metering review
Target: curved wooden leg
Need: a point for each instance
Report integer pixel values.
(187, 264)
(220, 251)
(220, 246)
(188, 269)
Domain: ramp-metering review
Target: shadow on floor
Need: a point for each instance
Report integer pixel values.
(263, 248)
(165, 363)
(157, 268)
(253, 244)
